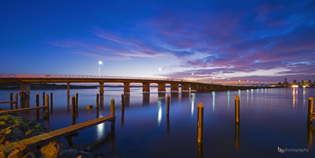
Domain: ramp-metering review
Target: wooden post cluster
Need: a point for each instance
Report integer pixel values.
(168, 105)
(37, 105)
(47, 105)
(237, 109)
(310, 110)
(11, 100)
(16, 100)
(200, 125)
(73, 109)
(97, 105)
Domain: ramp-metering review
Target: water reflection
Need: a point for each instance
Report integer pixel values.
(303, 96)
(159, 106)
(199, 152)
(168, 124)
(193, 97)
(237, 135)
(293, 96)
(100, 130)
(247, 97)
(310, 130)
(213, 100)
(122, 116)
(146, 98)
(228, 98)
(127, 99)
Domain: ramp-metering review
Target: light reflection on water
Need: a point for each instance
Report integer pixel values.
(267, 122)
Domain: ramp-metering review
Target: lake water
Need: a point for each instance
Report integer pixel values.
(270, 119)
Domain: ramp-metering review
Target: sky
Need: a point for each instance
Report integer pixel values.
(215, 41)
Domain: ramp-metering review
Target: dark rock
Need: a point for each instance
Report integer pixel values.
(2, 154)
(31, 133)
(4, 138)
(84, 154)
(70, 153)
(53, 149)
(15, 154)
(29, 155)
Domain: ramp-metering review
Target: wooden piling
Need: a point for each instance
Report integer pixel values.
(310, 110)
(112, 124)
(168, 124)
(97, 105)
(16, 100)
(112, 105)
(43, 98)
(76, 104)
(237, 135)
(11, 100)
(89, 107)
(24, 100)
(200, 125)
(51, 102)
(73, 109)
(37, 105)
(122, 101)
(168, 105)
(237, 109)
(47, 105)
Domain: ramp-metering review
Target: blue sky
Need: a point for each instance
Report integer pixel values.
(262, 41)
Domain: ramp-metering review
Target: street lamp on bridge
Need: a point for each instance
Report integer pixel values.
(99, 68)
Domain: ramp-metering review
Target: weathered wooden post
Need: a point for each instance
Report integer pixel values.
(200, 125)
(89, 107)
(310, 110)
(73, 109)
(168, 105)
(237, 109)
(97, 105)
(47, 106)
(51, 102)
(122, 101)
(76, 104)
(44, 98)
(112, 105)
(37, 105)
(16, 100)
(11, 100)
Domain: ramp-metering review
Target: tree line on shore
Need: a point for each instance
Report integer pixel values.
(303, 83)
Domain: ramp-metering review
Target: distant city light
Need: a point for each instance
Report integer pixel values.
(295, 86)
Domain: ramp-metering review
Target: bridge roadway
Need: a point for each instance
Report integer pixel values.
(25, 79)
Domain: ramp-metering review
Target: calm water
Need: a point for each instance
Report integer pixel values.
(269, 118)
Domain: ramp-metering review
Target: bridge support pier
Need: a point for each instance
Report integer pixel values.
(161, 87)
(101, 88)
(146, 86)
(204, 87)
(126, 87)
(174, 87)
(25, 87)
(195, 87)
(185, 87)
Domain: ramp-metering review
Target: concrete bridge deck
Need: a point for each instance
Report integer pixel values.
(25, 79)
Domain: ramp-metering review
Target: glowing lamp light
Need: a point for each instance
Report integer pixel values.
(295, 86)
(100, 62)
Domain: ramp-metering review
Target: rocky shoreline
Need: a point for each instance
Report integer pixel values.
(14, 128)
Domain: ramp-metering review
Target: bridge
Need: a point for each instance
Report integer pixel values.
(26, 79)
